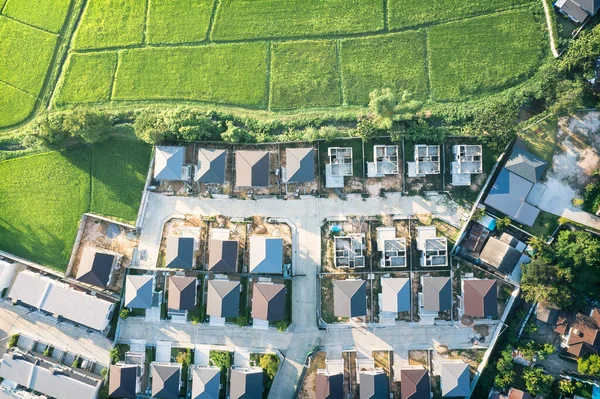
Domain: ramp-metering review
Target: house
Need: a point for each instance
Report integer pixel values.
(7, 273)
(169, 164)
(374, 385)
(43, 375)
(51, 296)
(385, 161)
(206, 382)
(456, 380)
(223, 256)
(433, 249)
(166, 380)
(468, 160)
(95, 267)
(125, 379)
(583, 336)
(393, 249)
(349, 298)
(480, 297)
(349, 251)
(17, 393)
(182, 294)
(211, 166)
(578, 10)
(252, 168)
(180, 253)
(414, 384)
(268, 301)
(515, 393)
(501, 255)
(246, 383)
(513, 191)
(266, 255)
(427, 161)
(395, 294)
(329, 385)
(547, 313)
(436, 294)
(340, 165)
(223, 298)
(139, 291)
(300, 165)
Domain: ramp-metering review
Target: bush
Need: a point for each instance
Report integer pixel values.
(13, 341)
(589, 365)
(220, 359)
(241, 321)
(124, 314)
(282, 325)
(89, 126)
(48, 351)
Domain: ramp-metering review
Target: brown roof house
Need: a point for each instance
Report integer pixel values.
(223, 256)
(223, 298)
(583, 338)
(268, 301)
(182, 294)
(436, 295)
(480, 297)
(349, 298)
(414, 384)
(252, 168)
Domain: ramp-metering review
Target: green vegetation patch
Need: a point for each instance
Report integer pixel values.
(42, 198)
(15, 105)
(251, 19)
(88, 78)
(408, 13)
(26, 55)
(119, 171)
(178, 21)
(304, 74)
(400, 64)
(230, 74)
(483, 55)
(45, 14)
(111, 23)
(541, 138)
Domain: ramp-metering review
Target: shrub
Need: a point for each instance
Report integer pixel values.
(241, 321)
(48, 351)
(282, 325)
(124, 314)
(90, 126)
(235, 134)
(220, 359)
(589, 365)
(13, 341)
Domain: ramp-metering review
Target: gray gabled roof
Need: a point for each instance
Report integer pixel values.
(246, 385)
(223, 256)
(374, 386)
(223, 298)
(268, 301)
(509, 194)
(329, 386)
(349, 298)
(168, 163)
(500, 255)
(590, 6)
(300, 164)
(138, 292)
(480, 297)
(252, 168)
(415, 384)
(456, 380)
(396, 294)
(165, 381)
(122, 381)
(266, 255)
(206, 383)
(180, 252)
(436, 294)
(211, 166)
(182, 293)
(95, 267)
(574, 10)
(525, 164)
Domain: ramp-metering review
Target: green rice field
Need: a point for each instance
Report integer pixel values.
(178, 21)
(49, 15)
(15, 104)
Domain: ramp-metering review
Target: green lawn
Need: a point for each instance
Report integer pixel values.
(178, 21)
(15, 105)
(111, 23)
(401, 65)
(541, 138)
(88, 78)
(483, 55)
(228, 73)
(45, 14)
(252, 19)
(304, 74)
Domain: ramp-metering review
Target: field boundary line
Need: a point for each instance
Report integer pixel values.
(338, 65)
(18, 88)
(550, 29)
(211, 21)
(3, 8)
(91, 191)
(28, 24)
(113, 82)
(386, 13)
(269, 69)
(145, 30)
(428, 66)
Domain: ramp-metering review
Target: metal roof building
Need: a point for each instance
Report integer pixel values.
(223, 298)
(268, 301)
(300, 165)
(168, 163)
(266, 255)
(252, 168)
(349, 298)
(211, 166)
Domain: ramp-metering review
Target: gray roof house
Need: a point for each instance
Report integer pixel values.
(329, 386)
(223, 256)
(480, 297)
(95, 267)
(396, 294)
(268, 301)
(139, 291)
(349, 298)
(246, 383)
(252, 168)
(415, 384)
(180, 252)
(168, 163)
(266, 255)
(456, 380)
(436, 293)
(166, 378)
(223, 298)
(578, 10)
(44, 376)
(300, 165)
(500, 255)
(211, 166)
(374, 385)
(206, 382)
(523, 163)
(122, 381)
(182, 293)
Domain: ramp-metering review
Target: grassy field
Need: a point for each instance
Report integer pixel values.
(111, 23)
(45, 14)
(541, 138)
(401, 65)
(483, 55)
(304, 74)
(178, 21)
(252, 19)
(15, 105)
(88, 78)
(229, 73)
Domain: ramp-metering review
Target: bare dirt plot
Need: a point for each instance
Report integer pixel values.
(317, 361)
(351, 226)
(191, 226)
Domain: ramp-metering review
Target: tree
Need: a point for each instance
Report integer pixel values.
(241, 321)
(582, 52)
(115, 355)
(566, 387)
(46, 131)
(537, 243)
(366, 128)
(503, 223)
(495, 124)
(220, 359)
(537, 382)
(149, 128)
(90, 126)
(569, 98)
(235, 134)
(589, 365)
(269, 364)
(382, 104)
(506, 374)
(538, 282)
(478, 214)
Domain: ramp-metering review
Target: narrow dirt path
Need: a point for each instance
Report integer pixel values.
(547, 11)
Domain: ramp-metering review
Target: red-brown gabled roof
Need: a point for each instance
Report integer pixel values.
(584, 337)
(480, 298)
